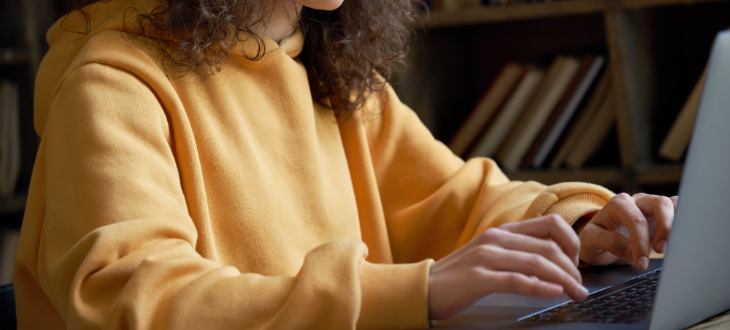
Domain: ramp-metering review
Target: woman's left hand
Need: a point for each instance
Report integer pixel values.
(627, 229)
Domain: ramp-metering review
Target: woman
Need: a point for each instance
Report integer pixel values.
(243, 164)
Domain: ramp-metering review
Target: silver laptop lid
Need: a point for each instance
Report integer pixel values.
(695, 282)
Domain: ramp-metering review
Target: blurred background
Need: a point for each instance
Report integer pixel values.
(571, 90)
(23, 26)
(601, 91)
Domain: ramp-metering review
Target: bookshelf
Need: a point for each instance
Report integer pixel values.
(13, 205)
(12, 56)
(484, 15)
(23, 25)
(656, 50)
(665, 174)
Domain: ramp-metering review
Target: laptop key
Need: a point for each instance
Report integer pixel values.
(627, 302)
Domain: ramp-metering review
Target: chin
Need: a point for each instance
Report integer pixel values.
(321, 4)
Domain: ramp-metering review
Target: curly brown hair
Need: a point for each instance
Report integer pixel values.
(346, 50)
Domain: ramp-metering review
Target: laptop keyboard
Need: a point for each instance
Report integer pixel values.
(627, 302)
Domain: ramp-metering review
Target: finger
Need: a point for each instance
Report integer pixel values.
(599, 241)
(509, 282)
(626, 212)
(499, 259)
(550, 226)
(675, 201)
(662, 208)
(546, 248)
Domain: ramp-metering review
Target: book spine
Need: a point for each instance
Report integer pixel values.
(493, 136)
(570, 109)
(485, 108)
(527, 136)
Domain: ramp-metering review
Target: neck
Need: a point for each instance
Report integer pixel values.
(283, 21)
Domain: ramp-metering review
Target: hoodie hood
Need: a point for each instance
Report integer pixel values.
(69, 36)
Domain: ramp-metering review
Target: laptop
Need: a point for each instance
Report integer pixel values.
(691, 284)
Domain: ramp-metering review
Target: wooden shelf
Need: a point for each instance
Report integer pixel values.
(670, 174)
(13, 205)
(629, 35)
(485, 14)
(10, 56)
(638, 4)
(608, 177)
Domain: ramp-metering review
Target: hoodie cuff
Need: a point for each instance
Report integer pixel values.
(571, 200)
(576, 206)
(394, 296)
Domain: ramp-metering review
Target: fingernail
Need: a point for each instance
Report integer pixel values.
(642, 263)
(662, 246)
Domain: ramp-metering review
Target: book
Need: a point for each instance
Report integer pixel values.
(4, 128)
(496, 132)
(595, 133)
(486, 108)
(450, 4)
(457, 4)
(578, 97)
(583, 67)
(537, 96)
(533, 120)
(9, 242)
(584, 118)
(677, 140)
(9, 139)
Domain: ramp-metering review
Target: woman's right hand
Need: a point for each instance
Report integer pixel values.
(536, 258)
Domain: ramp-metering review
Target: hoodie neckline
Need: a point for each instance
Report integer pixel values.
(291, 45)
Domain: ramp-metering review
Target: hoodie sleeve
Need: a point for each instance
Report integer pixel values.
(116, 247)
(434, 202)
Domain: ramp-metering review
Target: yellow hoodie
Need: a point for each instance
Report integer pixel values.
(237, 202)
